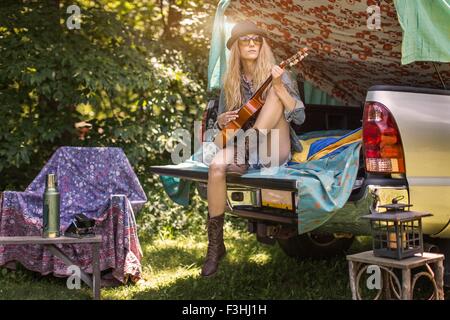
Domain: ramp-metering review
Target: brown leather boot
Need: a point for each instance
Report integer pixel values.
(216, 247)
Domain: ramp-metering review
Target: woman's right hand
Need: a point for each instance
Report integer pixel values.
(224, 118)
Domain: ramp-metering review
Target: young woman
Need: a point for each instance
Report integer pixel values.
(251, 62)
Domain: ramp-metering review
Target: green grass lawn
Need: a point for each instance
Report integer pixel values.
(171, 268)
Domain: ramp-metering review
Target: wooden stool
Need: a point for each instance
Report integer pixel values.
(359, 262)
(50, 243)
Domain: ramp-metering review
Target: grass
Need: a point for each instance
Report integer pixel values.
(171, 270)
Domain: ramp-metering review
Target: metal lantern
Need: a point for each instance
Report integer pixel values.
(397, 233)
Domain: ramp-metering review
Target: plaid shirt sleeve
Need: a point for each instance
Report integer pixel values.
(296, 115)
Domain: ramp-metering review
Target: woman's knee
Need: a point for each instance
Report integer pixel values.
(273, 95)
(217, 170)
(269, 115)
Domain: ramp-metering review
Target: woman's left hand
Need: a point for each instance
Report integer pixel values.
(276, 76)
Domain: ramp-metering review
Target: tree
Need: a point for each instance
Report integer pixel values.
(135, 69)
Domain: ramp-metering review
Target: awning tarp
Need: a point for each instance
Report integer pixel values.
(345, 56)
(426, 30)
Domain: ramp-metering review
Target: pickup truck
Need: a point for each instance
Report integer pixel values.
(405, 154)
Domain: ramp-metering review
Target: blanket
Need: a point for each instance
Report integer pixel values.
(323, 185)
(98, 182)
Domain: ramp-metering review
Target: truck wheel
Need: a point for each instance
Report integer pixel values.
(314, 245)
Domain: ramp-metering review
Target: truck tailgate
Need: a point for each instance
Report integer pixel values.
(197, 173)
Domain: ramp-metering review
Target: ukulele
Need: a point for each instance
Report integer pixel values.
(255, 103)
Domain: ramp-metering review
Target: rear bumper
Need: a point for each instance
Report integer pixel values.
(373, 192)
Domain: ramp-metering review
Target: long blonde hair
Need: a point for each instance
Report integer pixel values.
(232, 78)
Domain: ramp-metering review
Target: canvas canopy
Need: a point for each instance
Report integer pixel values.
(346, 56)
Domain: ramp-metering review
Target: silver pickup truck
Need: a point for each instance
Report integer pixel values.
(405, 155)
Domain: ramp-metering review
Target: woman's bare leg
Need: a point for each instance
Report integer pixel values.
(283, 145)
(271, 112)
(217, 186)
(271, 117)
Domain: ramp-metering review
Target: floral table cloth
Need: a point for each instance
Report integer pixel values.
(98, 182)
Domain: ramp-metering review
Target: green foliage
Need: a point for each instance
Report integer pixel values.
(171, 270)
(136, 70)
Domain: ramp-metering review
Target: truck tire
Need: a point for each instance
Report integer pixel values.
(314, 245)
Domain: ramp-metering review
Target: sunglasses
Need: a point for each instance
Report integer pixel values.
(245, 40)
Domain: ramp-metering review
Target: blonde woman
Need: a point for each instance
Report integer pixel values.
(251, 62)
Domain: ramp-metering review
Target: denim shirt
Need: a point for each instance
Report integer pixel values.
(296, 115)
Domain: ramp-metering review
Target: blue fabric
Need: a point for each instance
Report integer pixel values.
(218, 52)
(323, 186)
(323, 143)
(177, 189)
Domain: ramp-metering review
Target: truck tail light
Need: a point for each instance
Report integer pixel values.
(383, 148)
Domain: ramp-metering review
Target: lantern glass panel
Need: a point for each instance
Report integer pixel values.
(397, 235)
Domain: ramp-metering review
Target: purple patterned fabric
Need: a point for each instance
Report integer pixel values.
(98, 182)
